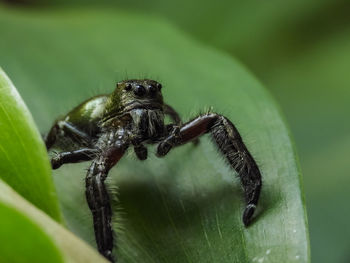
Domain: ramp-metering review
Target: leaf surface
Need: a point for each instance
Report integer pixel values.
(29, 235)
(186, 207)
(23, 159)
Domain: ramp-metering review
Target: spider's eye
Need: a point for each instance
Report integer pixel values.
(140, 90)
(128, 87)
(152, 90)
(159, 86)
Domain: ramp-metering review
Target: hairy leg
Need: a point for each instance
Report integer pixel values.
(66, 128)
(172, 113)
(112, 147)
(80, 155)
(231, 146)
(99, 204)
(176, 119)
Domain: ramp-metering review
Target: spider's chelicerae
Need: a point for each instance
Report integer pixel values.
(102, 128)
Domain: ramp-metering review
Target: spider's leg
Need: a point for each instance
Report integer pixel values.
(173, 114)
(80, 155)
(176, 119)
(231, 146)
(66, 128)
(99, 204)
(96, 192)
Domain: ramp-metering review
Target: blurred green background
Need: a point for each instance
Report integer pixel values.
(300, 51)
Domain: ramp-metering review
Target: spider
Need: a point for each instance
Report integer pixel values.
(102, 128)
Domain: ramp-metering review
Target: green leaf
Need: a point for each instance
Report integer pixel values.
(31, 243)
(26, 233)
(318, 81)
(23, 159)
(29, 235)
(186, 207)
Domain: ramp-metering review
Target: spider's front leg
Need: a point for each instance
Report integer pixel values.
(231, 146)
(98, 199)
(171, 128)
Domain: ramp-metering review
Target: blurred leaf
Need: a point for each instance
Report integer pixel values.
(327, 184)
(31, 243)
(23, 159)
(314, 91)
(299, 49)
(264, 34)
(186, 207)
(29, 235)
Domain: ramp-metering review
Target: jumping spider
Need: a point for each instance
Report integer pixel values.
(103, 127)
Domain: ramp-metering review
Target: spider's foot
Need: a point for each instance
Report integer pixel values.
(108, 255)
(248, 214)
(56, 162)
(163, 148)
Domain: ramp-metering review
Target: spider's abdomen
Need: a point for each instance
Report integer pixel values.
(80, 127)
(87, 115)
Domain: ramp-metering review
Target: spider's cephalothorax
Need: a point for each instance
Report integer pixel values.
(103, 127)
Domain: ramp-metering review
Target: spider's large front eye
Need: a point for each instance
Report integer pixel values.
(140, 90)
(128, 87)
(152, 90)
(159, 86)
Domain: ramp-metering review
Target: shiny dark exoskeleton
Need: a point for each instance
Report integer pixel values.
(102, 128)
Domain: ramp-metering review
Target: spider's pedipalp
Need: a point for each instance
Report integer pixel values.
(141, 152)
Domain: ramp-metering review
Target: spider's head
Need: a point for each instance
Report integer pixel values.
(138, 94)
